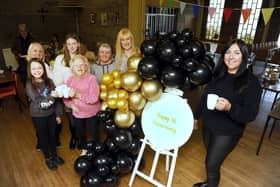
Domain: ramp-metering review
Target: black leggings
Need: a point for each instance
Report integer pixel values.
(218, 147)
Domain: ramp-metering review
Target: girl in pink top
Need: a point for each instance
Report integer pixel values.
(84, 98)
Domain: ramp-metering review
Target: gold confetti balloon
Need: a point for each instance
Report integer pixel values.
(124, 119)
(136, 101)
(131, 81)
(133, 61)
(151, 89)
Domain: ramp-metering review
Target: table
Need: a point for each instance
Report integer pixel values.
(273, 88)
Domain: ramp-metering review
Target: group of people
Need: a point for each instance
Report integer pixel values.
(70, 68)
(238, 89)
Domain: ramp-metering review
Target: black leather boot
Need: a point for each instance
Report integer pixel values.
(200, 184)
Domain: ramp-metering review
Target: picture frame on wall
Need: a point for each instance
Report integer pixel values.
(92, 17)
(104, 19)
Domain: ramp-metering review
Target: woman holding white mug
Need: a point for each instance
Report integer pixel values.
(237, 102)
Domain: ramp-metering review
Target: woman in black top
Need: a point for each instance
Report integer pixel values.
(239, 94)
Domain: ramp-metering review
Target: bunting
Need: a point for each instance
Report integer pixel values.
(211, 11)
(227, 14)
(267, 12)
(246, 13)
(182, 7)
(195, 10)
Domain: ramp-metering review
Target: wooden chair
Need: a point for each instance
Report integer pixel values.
(10, 89)
(275, 115)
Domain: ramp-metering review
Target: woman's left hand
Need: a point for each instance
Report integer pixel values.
(223, 104)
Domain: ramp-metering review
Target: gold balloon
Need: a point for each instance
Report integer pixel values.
(117, 83)
(122, 104)
(107, 78)
(104, 105)
(103, 87)
(131, 81)
(112, 103)
(133, 61)
(124, 119)
(122, 94)
(151, 89)
(136, 101)
(116, 73)
(138, 113)
(103, 95)
(113, 93)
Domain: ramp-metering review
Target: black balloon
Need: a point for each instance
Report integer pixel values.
(187, 34)
(187, 84)
(99, 148)
(123, 139)
(186, 51)
(176, 60)
(110, 112)
(111, 180)
(208, 60)
(173, 35)
(93, 180)
(172, 77)
(102, 160)
(148, 48)
(201, 76)
(110, 128)
(148, 68)
(115, 169)
(90, 144)
(102, 115)
(134, 147)
(189, 64)
(82, 165)
(125, 163)
(102, 170)
(83, 181)
(166, 51)
(111, 145)
(197, 49)
(180, 41)
(90, 154)
(135, 128)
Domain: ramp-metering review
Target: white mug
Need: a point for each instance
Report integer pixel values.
(212, 100)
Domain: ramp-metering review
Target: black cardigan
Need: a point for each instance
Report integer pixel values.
(244, 106)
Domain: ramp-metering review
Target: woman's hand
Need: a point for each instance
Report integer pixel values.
(58, 120)
(195, 124)
(54, 94)
(223, 104)
(73, 93)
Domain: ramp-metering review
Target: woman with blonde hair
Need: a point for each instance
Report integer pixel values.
(125, 48)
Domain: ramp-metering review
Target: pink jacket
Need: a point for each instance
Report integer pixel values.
(88, 88)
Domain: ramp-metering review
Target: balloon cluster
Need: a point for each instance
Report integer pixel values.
(178, 60)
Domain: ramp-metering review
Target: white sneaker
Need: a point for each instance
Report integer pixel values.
(84, 152)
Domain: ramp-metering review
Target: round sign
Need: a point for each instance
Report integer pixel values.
(167, 122)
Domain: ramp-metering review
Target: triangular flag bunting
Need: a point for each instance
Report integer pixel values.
(161, 3)
(170, 3)
(267, 12)
(246, 13)
(227, 14)
(195, 10)
(211, 11)
(182, 6)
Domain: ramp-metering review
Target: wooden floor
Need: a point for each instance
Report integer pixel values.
(22, 166)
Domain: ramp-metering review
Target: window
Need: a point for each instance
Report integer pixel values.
(159, 19)
(247, 31)
(213, 26)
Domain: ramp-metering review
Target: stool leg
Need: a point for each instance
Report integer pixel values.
(263, 133)
(273, 125)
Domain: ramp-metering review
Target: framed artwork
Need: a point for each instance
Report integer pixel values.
(104, 19)
(92, 17)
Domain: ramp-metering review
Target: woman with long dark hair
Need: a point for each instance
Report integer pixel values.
(239, 94)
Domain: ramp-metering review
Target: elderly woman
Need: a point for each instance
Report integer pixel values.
(84, 99)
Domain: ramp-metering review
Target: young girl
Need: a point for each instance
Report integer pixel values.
(84, 99)
(105, 64)
(44, 110)
(125, 48)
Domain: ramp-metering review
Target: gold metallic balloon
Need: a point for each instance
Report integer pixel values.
(133, 61)
(151, 89)
(138, 113)
(103, 95)
(113, 93)
(116, 73)
(122, 104)
(131, 81)
(124, 119)
(112, 103)
(117, 82)
(136, 101)
(107, 78)
(122, 94)
(104, 105)
(103, 87)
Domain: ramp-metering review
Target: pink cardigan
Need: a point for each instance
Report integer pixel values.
(88, 104)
